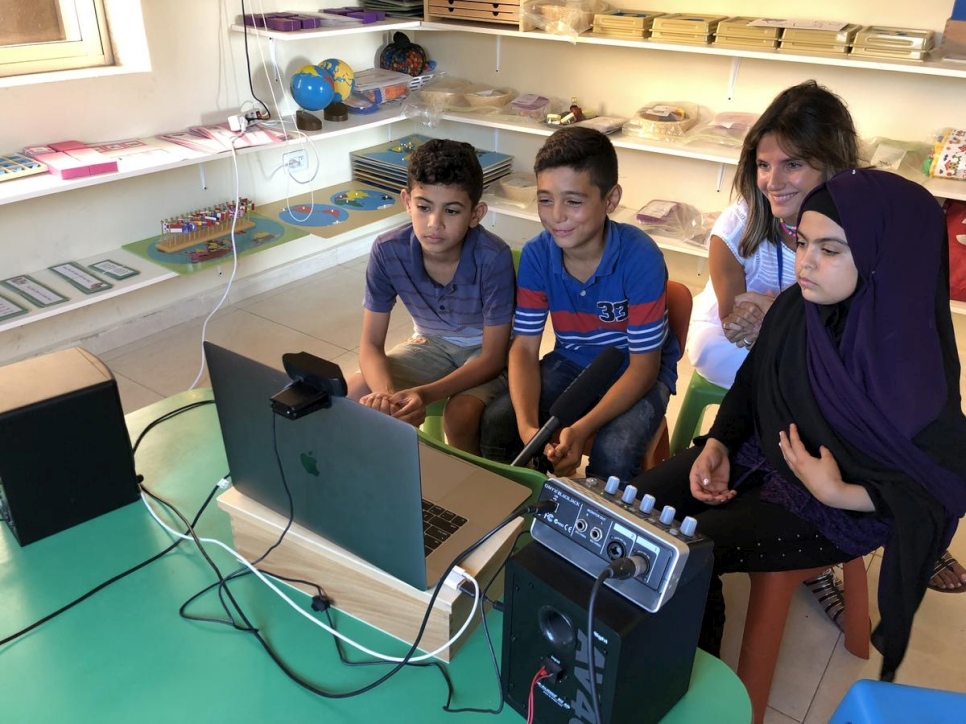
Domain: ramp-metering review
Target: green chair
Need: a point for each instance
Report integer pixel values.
(700, 394)
(529, 477)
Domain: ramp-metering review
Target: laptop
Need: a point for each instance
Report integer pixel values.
(358, 477)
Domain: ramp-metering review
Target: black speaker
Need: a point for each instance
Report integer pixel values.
(643, 660)
(65, 454)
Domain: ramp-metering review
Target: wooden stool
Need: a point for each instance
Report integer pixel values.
(771, 595)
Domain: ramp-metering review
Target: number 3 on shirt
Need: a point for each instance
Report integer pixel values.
(612, 311)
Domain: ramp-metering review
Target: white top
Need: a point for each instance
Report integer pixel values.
(709, 350)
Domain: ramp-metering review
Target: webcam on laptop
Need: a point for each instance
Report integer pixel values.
(315, 382)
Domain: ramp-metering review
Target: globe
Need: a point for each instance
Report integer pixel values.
(342, 76)
(312, 87)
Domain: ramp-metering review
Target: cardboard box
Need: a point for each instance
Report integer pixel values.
(954, 39)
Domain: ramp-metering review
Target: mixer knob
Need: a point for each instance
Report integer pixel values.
(647, 503)
(612, 485)
(630, 494)
(667, 515)
(688, 526)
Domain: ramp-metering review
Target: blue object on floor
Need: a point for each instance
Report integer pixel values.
(879, 702)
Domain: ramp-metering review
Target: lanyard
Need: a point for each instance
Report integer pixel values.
(781, 280)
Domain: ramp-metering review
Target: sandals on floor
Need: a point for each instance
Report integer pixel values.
(945, 563)
(828, 592)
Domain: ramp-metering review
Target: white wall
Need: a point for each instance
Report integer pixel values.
(618, 81)
(198, 76)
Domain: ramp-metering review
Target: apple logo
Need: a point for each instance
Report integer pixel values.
(310, 464)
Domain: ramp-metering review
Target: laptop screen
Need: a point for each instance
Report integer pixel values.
(353, 473)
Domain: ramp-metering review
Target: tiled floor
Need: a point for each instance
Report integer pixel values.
(322, 315)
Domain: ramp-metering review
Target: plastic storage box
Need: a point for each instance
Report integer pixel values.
(878, 702)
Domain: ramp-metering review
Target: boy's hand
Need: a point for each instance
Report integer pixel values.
(710, 473)
(565, 455)
(381, 401)
(409, 406)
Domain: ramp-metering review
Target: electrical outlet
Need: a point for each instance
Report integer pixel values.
(295, 160)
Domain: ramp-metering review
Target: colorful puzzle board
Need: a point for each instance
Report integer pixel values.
(266, 233)
(336, 209)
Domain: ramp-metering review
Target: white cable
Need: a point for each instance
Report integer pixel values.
(234, 265)
(261, 576)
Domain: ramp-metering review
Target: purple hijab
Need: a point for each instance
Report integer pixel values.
(893, 375)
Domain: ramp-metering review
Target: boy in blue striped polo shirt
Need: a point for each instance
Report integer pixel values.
(603, 284)
(457, 281)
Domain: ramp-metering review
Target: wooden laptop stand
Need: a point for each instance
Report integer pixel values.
(356, 587)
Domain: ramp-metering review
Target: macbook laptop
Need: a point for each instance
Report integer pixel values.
(358, 478)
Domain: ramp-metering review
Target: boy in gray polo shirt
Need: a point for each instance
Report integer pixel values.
(457, 281)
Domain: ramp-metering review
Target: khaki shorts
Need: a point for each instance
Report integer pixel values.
(421, 360)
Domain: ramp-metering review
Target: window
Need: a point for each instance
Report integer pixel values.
(38, 36)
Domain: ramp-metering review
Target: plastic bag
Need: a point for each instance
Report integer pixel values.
(725, 129)
(948, 157)
(903, 157)
(670, 218)
(568, 18)
(663, 120)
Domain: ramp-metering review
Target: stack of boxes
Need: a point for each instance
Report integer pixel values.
(686, 28)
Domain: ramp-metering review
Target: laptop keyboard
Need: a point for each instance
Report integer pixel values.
(438, 525)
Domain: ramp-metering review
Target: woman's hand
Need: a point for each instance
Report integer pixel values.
(710, 474)
(742, 326)
(821, 475)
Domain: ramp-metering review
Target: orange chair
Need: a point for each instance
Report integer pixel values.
(678, 316)
(768, 602)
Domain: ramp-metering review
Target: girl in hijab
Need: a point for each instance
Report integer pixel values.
(843, 431)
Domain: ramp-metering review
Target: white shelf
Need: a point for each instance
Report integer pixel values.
(665, 243)
(149, 274)
(946, 68)
(529, 212)
(700, 152)
(332, 31)
(45, 184)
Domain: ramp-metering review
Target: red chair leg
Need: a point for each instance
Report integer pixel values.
(768, 602)
(856, 608)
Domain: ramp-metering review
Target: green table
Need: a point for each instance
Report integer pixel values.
(125, 655)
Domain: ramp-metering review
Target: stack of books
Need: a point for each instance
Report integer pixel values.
(386, 165)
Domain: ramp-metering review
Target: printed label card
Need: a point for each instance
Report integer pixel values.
(33, 291)
(114, 270)
(80, 278)
(9, 308)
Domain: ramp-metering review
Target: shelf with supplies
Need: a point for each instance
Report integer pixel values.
(500, 206)
(946, 68)
(390, 23)
(146, 275)
(45, 184)
(939, 187)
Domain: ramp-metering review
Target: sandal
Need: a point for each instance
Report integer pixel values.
(946, 563)
(828, 592)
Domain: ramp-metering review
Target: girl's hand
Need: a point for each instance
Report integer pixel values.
(821, 475)
(710, 473)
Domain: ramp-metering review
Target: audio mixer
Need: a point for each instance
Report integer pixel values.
(594, 522)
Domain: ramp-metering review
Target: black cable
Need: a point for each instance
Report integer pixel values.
(248, 65)
(165, 417)
(598, 584)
